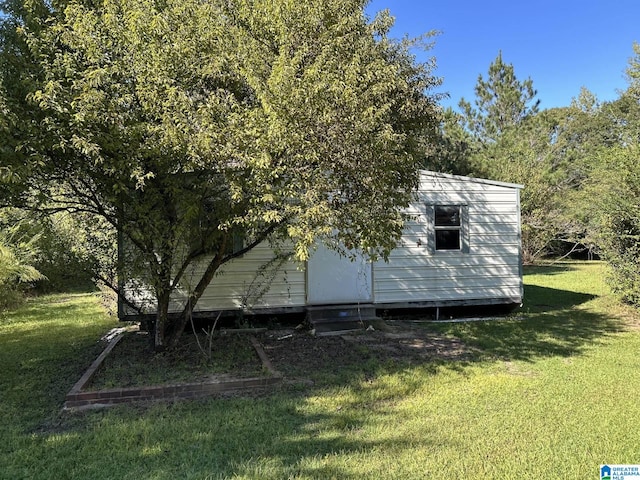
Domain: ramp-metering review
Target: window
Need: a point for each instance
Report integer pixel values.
(448, 229)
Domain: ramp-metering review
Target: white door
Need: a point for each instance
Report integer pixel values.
(334, 279)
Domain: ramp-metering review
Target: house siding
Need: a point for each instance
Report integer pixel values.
(489, 268)
(237, 282)
(486, 270)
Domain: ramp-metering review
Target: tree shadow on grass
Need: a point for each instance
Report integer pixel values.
(551, 323)
(326, 430)
(545, 299)
(279, 436)
(548, 269)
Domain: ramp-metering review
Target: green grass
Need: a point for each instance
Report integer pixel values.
(45, 346)
(549, 393)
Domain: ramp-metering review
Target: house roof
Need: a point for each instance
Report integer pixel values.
(431, 173)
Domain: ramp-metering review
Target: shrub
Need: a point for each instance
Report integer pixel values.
(615, 186)
(17, 254)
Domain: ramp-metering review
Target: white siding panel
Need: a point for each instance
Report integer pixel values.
(494, 228)
(491, 268)
(239, 282)
(400, 295)
(498, 250)
(488, 218)
(435, 274)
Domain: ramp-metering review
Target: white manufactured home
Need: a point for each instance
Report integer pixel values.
(462, 247)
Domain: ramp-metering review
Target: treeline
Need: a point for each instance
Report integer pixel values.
(579, 165)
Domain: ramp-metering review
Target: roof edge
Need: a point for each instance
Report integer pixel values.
(431, 173)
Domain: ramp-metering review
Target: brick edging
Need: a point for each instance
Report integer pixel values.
(77, 398)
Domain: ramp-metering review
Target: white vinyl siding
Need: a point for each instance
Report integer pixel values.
(239, 281)
(486, 267)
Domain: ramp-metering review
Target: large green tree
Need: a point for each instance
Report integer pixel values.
(558, 154)
(501, 102)
(181, 123)
(633, 69)
(454, 146)
(613, 191)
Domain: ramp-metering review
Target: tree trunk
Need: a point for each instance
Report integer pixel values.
(181, 322)
(178, 325)
(159, 341)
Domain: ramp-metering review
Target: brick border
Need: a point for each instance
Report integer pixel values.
(77, 398)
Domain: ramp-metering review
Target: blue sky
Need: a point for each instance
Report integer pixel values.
(562, 44)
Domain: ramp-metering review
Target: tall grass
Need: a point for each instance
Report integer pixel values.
(549, 393)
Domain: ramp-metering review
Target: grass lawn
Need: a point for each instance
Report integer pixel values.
(551, 393)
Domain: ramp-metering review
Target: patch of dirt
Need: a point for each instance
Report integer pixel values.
(413, 344)
(131, 363)
(299, 354)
